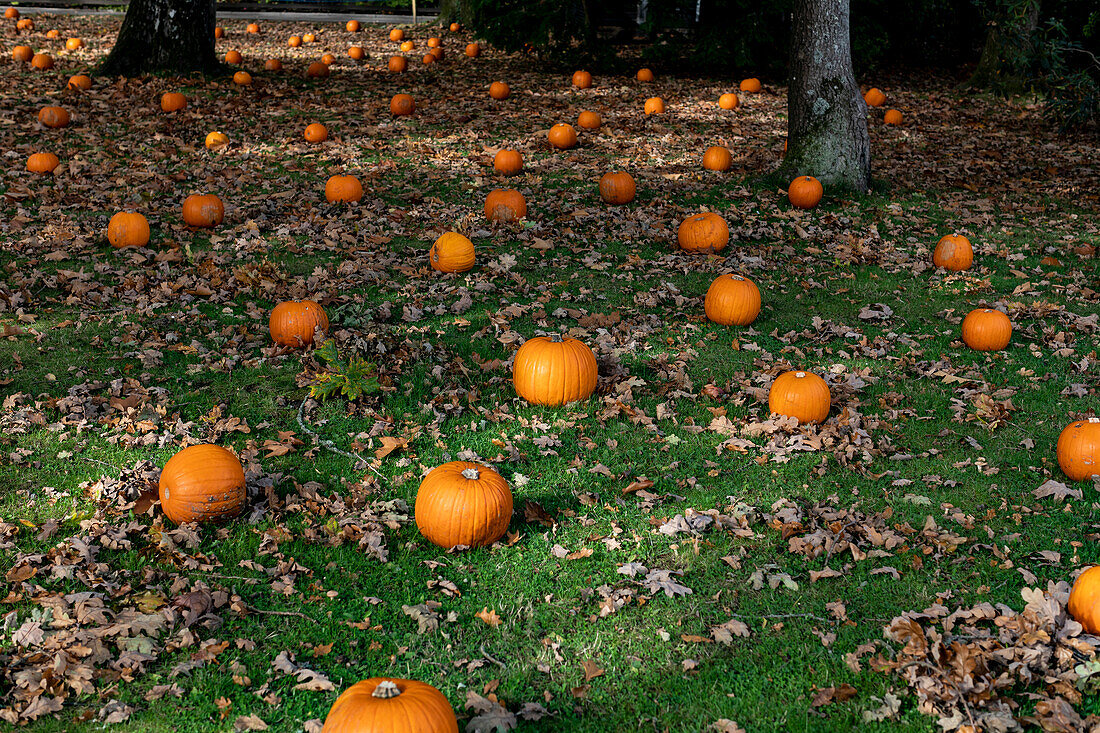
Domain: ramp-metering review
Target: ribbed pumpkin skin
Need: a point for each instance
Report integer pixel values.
(801, 395)
(892, 117)
(1079, 451)
(397, 63)
(452, 509)
(499, 90)
(589, 120)
(343, 188)
(505, 204)
(292, 322)
(562, 136)
(654, 106)
(986, 329)
(1084, 600)
(42, 162)
(452, 252)
(202, 483)
(582, 79)
(717, 158)
(402, 104)
(805, 192)
(617, 188)
(420, 708)
(53, 116)
(732, 300)
(173, 102)
(954, 253)
(706, 232)
(508, 162)
(729, 101)
(551, 373)
(752, 84)
(127, 229)
(874, 97)
(204, 211)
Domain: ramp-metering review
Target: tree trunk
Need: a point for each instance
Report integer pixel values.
(826, 115)
(164, 35)
(1006, 53)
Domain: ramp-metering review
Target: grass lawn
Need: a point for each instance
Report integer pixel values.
(785, 551)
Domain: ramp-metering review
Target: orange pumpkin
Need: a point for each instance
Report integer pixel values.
(202, 483)
(219, 32)
(253, 28)
(617, 188)
(435, 42)
(645, 75)
(53, 116)
(874, 97)
(953, 252)
(463, 504)
(402, 105)
(589, 120)
(343, 188)
(505, 204)
(805, 192)
(1084, 600)
(732, 300)
(273, 65)
(562, 136)
(436, 52)
(317, 70)
(23, 54)
(451, 252)
(717, 158)
(800, 395)
(53, 33)
(1079, 449)
(309, 38)
(24, 24)
(328, 59)
(356, 53)
(397, 35)
(352, 26)
(729, 101)
(429, 58)
(553, 371)
(654, 106)
(455, 27)
(74, 44)
(11, 13)
(408, 46)
(294, 41)
(508, 162)
(242, 78)
(293, 322)
(42, 61)
(706, 232)
(986, 329)
(233, 57)
(892, 117)
(80, 82)
(752, 84)
(473, 50)
(582, 79)
(42, 163)
(316, 132)
(499, 90)
(172, 102)
(128, 229)
(390, 705)
(397, 63)
(216, 140)
(203, 210)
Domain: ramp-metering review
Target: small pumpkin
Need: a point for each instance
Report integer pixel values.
(203, 210)
(455, 27)
(1084, 600)
(729, 101)
(800, 395)
(317, 70)
(397, 35)
(202, 483)
(294, 41)
(316, 133)
(11, 13)
(451, 252)
(293, 322)
(582, 79)
(717, 158)
(874, 97)
(80, 82)
(53, 116)
(1079, 449)
(397, 63)
(953, 252)
(42, 163)
(128, 229)
(233, 57)
(216, 140)
(24, 24)
(645, 75)
(805, 192)
(437, 52)
(172, 102)
(328, 59)
(429, 58)
(554, 370)
(343, 188)
(892, 117)
(42, 61)
(505, 204)
(732, 300)
(435, 42)
(53, 33)
(473, 50)
(252, 28)
(752, 85)
(617, 188)
(22, 54)
(463, 503)
(242, 78)
(356, 53)
(309, 38)
(352, 26)
(562, 136)
(390, 705)
(508, 162)
(407, 46)
(986, 329)
(654, 106)
(74, 44)
(219, 32)
(273, 65)
(499, 90)
(705, 232)
(589, 120)
(402, 105)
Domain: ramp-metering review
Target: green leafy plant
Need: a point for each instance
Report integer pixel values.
(352, 377)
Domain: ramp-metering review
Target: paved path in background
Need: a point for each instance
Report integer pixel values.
(259, 15)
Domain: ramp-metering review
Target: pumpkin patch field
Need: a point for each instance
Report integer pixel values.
(444, 383)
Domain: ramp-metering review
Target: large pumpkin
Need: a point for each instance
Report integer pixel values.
(356, 52)
(397, 63)
(234, 57)
(53, 116)
(293, 322)
(508, 162)
(562, 136)
(407, 46)
(986, 329)
(202, 483)
(172, 102)
(22, 53)
(645, 75)
(552, 371)
(505, 204)
(402, 104)
(582, 79)
(752, 84)
(617, 188)
(79, 83)
(1079, 449)
(717, 158)
(315, 132)
(42, 61)
(874, 97)
(42, 163)
(317, 70)
(805, 192)
(706, 232)
(801, 395)
(128, 229)
(390, 705)
(729, 101)
(954, 253)
(473, 50)
(654, 106)
(216, 140)
(343, 188)
(589, 120)
(74, 44)
(463, 503)
(203, 210)
(397, 35)
(452, 252)
(1084, 600)
(732, 300)
(242, 78)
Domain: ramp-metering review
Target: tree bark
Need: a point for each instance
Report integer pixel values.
(826, 115)
(1003, 63)
(164, 35)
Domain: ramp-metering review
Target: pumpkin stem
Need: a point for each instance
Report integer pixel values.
(386, 689)
(471, 473)
(556, 338)
(800, 375)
